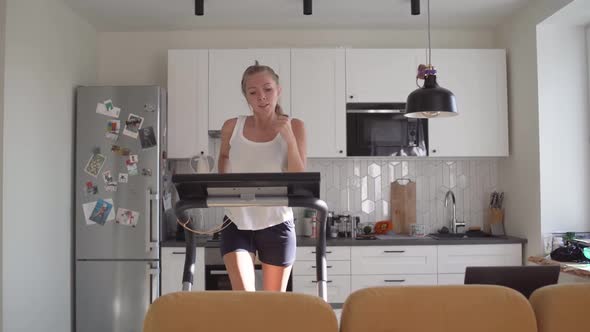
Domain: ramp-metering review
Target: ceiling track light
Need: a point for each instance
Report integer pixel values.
(199, 7)
(306, 7)
(415, 7)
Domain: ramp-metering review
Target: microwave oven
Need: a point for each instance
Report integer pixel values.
(382, 130)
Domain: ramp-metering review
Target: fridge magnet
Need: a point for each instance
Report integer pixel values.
(134, 158)
(147, 137)
(146, 171)
(149, 108)
(132, 125)
(111, 187)
(94, 164)
(112, 130)
(107, 177)
(126, 217)
(99, 212)
(123, 177)
(90, 189)
(131, 167)
(120, 151)
(107, 108)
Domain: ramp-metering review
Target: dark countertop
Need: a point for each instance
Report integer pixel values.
(401, 241)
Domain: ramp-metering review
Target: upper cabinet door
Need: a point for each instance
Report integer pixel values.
(381, 75)
(226, 67)
(187, 103)
(318, 98)
(478, 80)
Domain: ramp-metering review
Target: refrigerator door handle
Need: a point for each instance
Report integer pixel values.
(152, 274)
(151, 245)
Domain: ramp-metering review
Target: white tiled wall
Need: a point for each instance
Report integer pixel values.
(362, 186)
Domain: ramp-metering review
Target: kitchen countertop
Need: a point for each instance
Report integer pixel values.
(394, 241)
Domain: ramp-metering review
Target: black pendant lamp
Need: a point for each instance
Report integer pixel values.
(430, 100)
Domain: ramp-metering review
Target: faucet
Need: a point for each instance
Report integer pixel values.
(454, 224)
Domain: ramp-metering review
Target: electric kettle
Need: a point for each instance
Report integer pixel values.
(202, 164)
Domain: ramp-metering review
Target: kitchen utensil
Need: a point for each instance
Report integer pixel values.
(403, 205)
(202, 164)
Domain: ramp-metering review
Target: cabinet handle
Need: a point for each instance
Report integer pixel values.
(178, 253)
(340, 151)
(327, 252)
(395, 280)
(327, 281)
(394, 251)
(328, 267)
(433, 150)
(351, 97)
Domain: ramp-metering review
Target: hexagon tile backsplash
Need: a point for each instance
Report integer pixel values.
(362, 186)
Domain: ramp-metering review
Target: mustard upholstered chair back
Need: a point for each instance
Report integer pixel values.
(234, 311)
(563, 307)
(461, 308)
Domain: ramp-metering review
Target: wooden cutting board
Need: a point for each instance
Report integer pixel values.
(403, 205)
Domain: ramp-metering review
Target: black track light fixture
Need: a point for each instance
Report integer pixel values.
(199, 7)
(415, 7)
(306, 7)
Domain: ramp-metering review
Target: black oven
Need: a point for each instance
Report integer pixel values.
(383, 130)
(217, 278)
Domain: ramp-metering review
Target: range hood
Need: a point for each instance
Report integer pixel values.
(376, 108)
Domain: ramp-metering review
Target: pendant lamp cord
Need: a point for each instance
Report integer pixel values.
(429, 49)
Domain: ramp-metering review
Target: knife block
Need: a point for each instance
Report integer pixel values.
(495, 216)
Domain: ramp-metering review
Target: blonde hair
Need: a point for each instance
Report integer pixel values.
(258, 68)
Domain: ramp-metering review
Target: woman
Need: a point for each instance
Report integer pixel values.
(266, 141)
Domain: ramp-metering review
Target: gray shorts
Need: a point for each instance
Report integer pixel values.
(276, 245)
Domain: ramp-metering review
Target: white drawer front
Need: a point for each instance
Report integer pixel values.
(308, 268)
(172, 268)
(332, 253)
(451, 279)
(338, 287)
(454, 258)
(393, 260)
(360, 282)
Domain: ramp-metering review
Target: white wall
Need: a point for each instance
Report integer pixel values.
(564, 128)
(140, 57)
(2, 30)
(520, 173)
(49, 50)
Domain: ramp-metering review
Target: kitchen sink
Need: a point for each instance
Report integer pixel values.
(461, 236)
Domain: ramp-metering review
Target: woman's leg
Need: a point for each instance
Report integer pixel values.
(240, 267)
(275, 278)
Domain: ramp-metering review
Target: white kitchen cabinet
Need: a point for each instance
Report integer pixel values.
(187, 103)
(381, 75)
(337, 267)
(370, 260)
(318, 98)
(453, 259)
(478, 80)
(172, 269)
(226, 67)
(365, 281)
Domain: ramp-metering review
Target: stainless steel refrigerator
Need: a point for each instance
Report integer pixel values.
(120, 170)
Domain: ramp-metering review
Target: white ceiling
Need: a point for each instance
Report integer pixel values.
(161, 15)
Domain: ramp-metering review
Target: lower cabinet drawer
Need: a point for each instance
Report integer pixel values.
(364, 281)
(332, 253)
(451, 279)
(338, 287)
(308, 268)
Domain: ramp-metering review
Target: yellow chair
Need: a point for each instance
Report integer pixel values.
(234, 311)
(562, 307)
(461, 308)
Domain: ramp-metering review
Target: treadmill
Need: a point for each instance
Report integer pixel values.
(200, 191)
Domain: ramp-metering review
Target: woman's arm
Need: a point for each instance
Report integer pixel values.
(226, 131)
(297, 147)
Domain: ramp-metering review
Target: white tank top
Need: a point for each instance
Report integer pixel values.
(246, 156)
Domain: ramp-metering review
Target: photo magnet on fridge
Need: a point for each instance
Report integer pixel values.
(126, 217)
(99, 212)
(147, 138)
(94, 164)
(107, 108)
(90, 189)
(112, 130)
(123, 177)
(132, 125)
